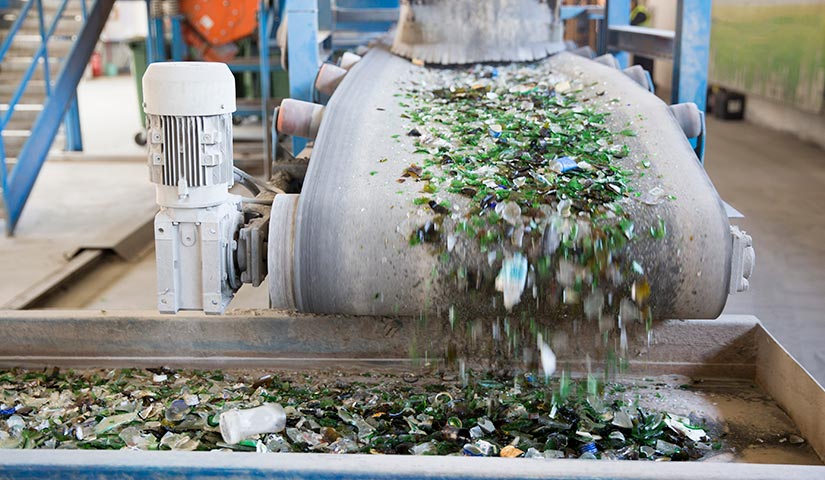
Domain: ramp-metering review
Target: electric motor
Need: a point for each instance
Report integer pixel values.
(189, 109)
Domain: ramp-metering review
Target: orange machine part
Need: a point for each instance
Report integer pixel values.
(205, 51)
(221, 21)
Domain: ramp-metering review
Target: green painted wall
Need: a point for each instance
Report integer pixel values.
(775, 49)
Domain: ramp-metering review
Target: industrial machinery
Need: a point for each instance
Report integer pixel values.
(316, 240)
(347, 289)
(206, 245)
(506, 30)
(211, 28)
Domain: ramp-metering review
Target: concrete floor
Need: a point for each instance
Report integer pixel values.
(777, 181)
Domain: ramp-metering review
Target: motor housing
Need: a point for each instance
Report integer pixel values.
(189, 109)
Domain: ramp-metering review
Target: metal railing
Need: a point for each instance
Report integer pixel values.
(60, 97)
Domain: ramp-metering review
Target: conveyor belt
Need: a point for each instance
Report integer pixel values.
(353, 222)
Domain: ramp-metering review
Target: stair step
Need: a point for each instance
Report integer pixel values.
(49, 5)
(35, 92)
(27, 46)
(23, 117)
(21, 63)
(65, 27)
(14, 68)
(72, 8)
(13, 141)
(48, 13)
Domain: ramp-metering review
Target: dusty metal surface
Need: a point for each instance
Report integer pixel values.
(723, 348)
(728, 372)
(354, 220)
(461, 32)
(792, 387)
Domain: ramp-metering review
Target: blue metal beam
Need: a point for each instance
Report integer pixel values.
(265, 23)
(618, 13)
(34, 152)
(74, 136)
(21, 16)
(325, 14)
(691, 52)
(45, 47)
(302, 53)
(178, 45)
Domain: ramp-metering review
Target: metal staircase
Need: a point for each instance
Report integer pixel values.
(45, 47)
(19, 56)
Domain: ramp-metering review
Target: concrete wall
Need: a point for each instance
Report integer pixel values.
(800, 114)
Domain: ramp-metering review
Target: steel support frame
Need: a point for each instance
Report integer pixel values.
(71, 124)
(688, 46)
(691, 52)
(302, 52)
(20, 181)
(156, 37)
(266, 24)
(617, 14)
(593, 12)
(178, 45)
(650, 42)
(74, 134)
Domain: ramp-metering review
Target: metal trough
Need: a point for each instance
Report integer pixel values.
(748, 381)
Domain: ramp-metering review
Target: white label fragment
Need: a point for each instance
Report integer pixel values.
(511, 279)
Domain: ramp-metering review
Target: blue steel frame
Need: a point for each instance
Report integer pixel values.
(178, 46)
(74, 136)
(18, 184)
(266, 25)
(306, 18)
(302, 53)
(691, 53)
(691, 47)
(156, 51)
(617, 13)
